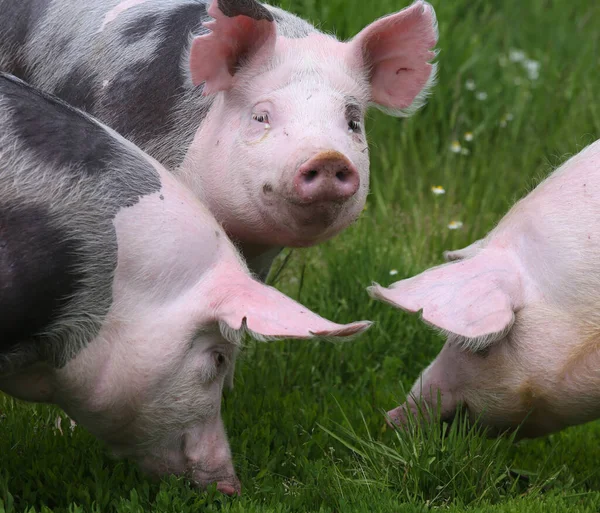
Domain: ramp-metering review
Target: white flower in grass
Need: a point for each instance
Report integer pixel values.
(470, 85)
(393, 272)
(455, 225)
(468, 136)
(455, 147)
(516, 55)
(438, 190)
(481, 96)
(465, 151)
(533, 69)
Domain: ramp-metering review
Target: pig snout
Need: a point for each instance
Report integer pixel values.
(227, 482)
(328, 176)
(230, 487)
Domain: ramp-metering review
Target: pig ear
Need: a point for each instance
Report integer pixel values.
(240, 28)
(474, 298)
(461, 254)
(243, 304)
(397, 49)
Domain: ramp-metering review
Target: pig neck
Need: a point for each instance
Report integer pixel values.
(259, 258)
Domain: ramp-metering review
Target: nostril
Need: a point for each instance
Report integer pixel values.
(310, 175)
(342, 176)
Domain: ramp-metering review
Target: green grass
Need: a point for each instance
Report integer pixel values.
(305, 419)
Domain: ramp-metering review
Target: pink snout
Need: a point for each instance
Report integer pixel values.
(328, 176)
(230, 487)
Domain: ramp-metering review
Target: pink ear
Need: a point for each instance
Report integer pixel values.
(268, 313)
(472, 298)
(397, 49)
(239, 30)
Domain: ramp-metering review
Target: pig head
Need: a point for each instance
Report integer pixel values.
(521, 312)
(283, 151)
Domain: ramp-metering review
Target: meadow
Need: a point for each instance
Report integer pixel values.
(517, 94)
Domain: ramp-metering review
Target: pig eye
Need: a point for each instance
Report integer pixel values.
(261, 118)
(353, 126)
(220, 359)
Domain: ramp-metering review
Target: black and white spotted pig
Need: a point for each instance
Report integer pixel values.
(259, 112)
(121, 298)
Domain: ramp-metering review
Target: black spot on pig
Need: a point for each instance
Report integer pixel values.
(137, 28)
(250, 8)
(78, 88)
(158, 82)
(58, 134)
(39, 272)
(19, 19)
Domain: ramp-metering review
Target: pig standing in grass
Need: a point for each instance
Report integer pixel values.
(259, 113)
(521, 309)
(121, 299)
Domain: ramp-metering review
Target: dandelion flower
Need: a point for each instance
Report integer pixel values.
(455, 147)
(455, 225)
(470, 85)
(468, 136)
(481, 95)
(438, 190)
(393, 272)
(516, 55)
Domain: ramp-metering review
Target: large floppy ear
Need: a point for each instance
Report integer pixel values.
(397, 50)
(475, 298)
(239, 303)
(240, 29)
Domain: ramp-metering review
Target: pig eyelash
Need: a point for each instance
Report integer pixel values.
(261, 118)
(353, 126)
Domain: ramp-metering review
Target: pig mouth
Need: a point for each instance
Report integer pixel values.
(322, 214)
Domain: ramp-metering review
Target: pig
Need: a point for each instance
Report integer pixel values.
(521, 311)
(259, 113)
(121, 298)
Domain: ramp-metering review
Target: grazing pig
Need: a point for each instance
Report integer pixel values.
(521, 310)
(260, 114)
(121, 298)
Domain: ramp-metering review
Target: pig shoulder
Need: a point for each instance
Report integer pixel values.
(63, 179)
(124, 63)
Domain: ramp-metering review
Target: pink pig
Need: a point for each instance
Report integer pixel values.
(521, 311)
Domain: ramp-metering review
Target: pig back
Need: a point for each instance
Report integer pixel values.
(63, 179)
(555, 230)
